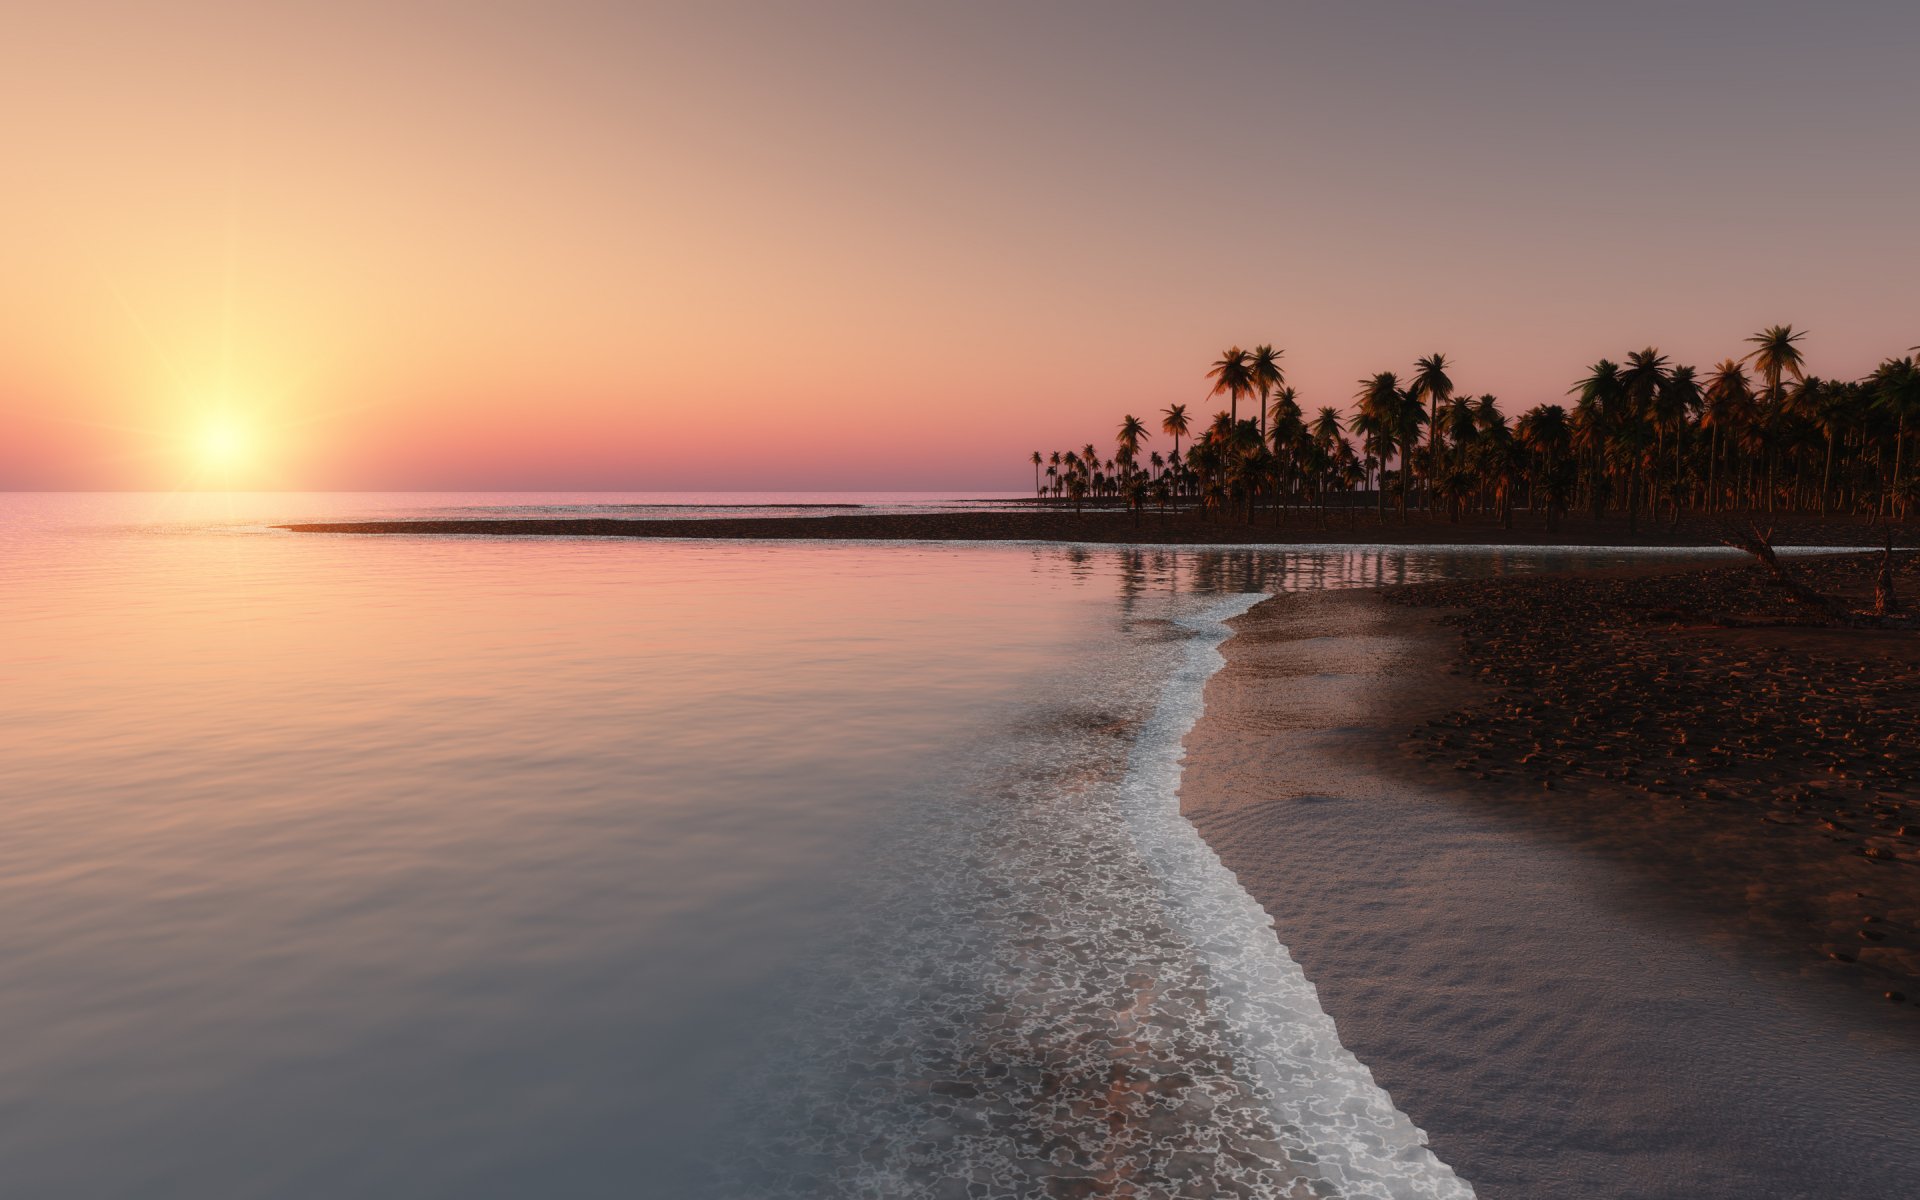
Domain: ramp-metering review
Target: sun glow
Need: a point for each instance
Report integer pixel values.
(221, 449)
(222, 445)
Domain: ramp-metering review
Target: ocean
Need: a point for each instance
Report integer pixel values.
(476, 867)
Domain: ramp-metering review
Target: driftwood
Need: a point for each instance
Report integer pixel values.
(1760, 545)
(1886, 612)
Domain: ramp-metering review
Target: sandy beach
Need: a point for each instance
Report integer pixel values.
(1355, 526)
(1523, 977)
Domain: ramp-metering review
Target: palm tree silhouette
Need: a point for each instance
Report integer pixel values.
(1640, 383)
(1674, 407)
(1725, 413)
(1232, 375)
(1265, 373)
(1433, 386)
(1077, 488)
(1173, 423)
(1896, 385)
(1400, 413)
(1544, 432)
(1327, 426)
(1776, 352)
(1376, 440)
(1642, 433)
(1595, 419)
(1775, 355)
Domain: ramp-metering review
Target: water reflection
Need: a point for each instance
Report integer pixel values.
(419, 866)
(1142, 571)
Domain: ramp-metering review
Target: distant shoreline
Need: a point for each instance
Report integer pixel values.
(1304, 527)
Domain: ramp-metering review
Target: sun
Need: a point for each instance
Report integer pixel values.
(223, 445)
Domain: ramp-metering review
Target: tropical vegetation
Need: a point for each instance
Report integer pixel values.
(1643, 438)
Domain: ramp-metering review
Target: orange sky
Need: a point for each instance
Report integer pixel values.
(597, 246)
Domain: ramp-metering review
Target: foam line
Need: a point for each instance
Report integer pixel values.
(1334, 1120)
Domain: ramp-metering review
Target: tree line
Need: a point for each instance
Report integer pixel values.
(1642, 437)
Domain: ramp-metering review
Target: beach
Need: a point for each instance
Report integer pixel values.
(1607, 875)
(1358, 526)
(1564, 988)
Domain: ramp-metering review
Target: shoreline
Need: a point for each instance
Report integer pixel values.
(1185, 528)
(1556, 1027)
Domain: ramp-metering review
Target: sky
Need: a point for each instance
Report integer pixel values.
(617, 245)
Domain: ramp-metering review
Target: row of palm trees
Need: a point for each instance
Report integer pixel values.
(1643, 436)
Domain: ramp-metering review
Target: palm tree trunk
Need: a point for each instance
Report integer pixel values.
(1713, 462)
(1433, 449)
(1899, 455)
(1826, 476)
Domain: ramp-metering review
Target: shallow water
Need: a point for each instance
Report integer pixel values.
(421, 867)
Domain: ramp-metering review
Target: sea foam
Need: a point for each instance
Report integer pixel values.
(1054, 987)
(1336, 1123)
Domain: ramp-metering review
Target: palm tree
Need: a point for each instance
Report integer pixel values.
(1265, 373)
(1775, 354)
(1595, 418)
(1678, 400)
(1806, 437)
(1896, 386)
(1545, 434)
(1329, 452)
(1077, 488)
(1496, 462)
(1135, 490)
(1431, 384)
(1285, 412)
(1233, 375)
(1727, 410)
(1376, 442)
(1327, 427)
(1174, 424)
(1400, 411)
(1640, 382)
(1251, 465)
(1826, 405)
(1284, 435)
(1460, 426)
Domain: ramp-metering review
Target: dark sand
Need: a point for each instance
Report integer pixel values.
(1557, 1020)
(1355, 527)
(1744, 752)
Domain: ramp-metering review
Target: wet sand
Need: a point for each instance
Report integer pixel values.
(1340, 527)
(1560, 1023)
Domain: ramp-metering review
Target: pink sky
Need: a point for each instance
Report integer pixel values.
(578, 246)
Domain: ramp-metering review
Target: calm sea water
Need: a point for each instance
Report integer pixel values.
(504, 867)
